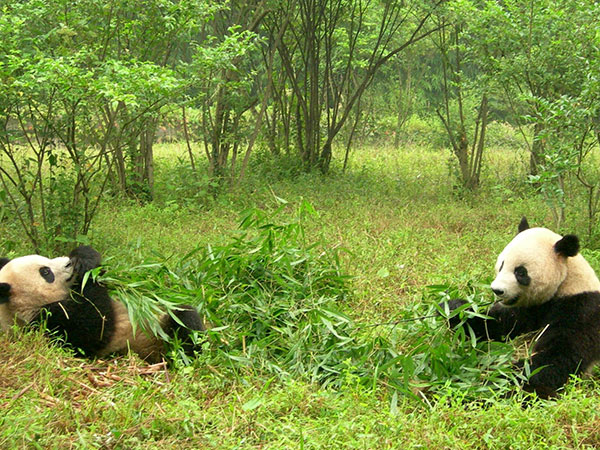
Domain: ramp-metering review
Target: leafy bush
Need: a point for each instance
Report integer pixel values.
(456, 361)
(277, 302)
(185, 185)
(504, 135)
(274, 295)
(423, 132)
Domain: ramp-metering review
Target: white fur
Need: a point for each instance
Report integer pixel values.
(29, 290)
(551, 274)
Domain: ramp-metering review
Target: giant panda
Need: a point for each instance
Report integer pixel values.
(543, 283)
(35, 289)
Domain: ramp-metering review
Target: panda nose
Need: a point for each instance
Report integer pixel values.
(498, 292)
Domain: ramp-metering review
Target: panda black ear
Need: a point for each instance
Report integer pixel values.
(523, 225)
(4, 292)
(3, 262)
(567, 246)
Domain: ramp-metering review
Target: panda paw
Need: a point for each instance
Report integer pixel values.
(84, 258)
(455, 303)
(541, 391)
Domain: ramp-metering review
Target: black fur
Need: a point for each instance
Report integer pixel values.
(47, 274)
(4, 287)
(522, 276)
(569, 342)
(4, 292)
(189, 317)
(523, 225)
(84, 322)
(567, 246)
(84, 258)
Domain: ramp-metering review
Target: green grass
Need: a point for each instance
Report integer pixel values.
(399, 225)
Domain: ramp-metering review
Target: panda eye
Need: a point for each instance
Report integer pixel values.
(522, 276)
(47, 274)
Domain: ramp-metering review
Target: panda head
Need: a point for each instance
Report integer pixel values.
(29, 282)
(538, 265)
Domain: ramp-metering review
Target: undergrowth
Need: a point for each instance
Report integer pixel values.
(277, 302)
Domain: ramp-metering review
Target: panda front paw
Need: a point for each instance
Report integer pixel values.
(84, 258)
(542, 391)
(454, 304)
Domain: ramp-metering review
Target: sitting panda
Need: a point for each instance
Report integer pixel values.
(543, 283)
(36, 289)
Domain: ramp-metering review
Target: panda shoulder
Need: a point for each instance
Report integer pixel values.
(582, 304)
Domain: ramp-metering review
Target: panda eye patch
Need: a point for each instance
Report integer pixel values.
(522, 276)
(47, 274)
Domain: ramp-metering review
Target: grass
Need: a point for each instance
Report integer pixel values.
(404, 226)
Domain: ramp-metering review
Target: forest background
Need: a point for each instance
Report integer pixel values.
(313, 174)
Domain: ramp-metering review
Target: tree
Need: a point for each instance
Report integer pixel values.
(329, 63)
(142, 44)
(535, 49)
(542, 54)
(68, 108)
(228, 82)
(463, 104)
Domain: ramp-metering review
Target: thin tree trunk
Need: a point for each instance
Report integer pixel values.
(187, 139)
(537, 147)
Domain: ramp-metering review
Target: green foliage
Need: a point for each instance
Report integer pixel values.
(274, 296)
(224, 78)
(70, 102)
(534, 47)
(81, 83)
(93, 81)
(503, 135)
(186, 186)
(422, 132)
(277, 303)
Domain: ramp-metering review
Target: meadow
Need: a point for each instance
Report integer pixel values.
(380, 245)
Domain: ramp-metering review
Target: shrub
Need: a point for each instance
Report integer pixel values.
(278, 300)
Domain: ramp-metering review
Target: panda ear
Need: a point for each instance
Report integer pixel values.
(523, 225)
(567, 246)
(4, 292)
(3, 262)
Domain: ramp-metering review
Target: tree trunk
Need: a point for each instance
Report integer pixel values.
(148, 153)
(404, 105)
(537, 148)
(187, 139)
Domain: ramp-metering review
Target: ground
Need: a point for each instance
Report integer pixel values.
(405, 226)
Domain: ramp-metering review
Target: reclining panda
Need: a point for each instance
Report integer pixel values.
(35, 289)
(543, 283)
